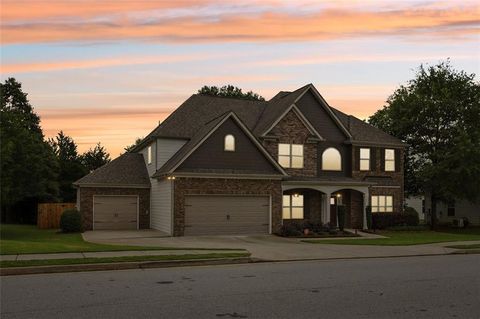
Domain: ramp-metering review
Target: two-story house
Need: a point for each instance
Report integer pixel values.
(232, 166)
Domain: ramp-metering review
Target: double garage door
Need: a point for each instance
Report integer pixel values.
(226, 215)
(115, 212)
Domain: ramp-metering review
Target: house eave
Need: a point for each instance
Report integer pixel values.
(101, 185)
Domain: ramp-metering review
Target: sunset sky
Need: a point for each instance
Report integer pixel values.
(109, 71)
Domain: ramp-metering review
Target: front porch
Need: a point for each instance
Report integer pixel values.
(318, 202)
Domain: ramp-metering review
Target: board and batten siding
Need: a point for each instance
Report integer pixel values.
(161, 190)
(161, 205)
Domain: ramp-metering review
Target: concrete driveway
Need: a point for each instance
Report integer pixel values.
(263, 247)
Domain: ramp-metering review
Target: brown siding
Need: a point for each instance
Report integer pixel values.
(211, 154)
(186, 186)
(320, 118)
(86, 203)
(291, 130)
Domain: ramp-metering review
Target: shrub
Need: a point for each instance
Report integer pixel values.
(71, 221)
(341, 217)
(385, 220)
(291, 228)
(368, 211)
(412, 218)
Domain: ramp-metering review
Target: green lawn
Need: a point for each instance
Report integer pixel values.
(405, 238)
(28, 239)
(76, 261)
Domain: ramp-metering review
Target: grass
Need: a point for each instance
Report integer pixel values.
(28, 239)
(468, 246)
(406, 238)
(76, 261)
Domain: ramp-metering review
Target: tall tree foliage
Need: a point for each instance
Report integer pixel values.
(70, 165)
(95, 157)
(129, 148)
(230, 91)
(437, 114)
(28, 164)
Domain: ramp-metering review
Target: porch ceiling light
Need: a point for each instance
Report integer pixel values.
(296, 195)
(339, 195)
(171, 177)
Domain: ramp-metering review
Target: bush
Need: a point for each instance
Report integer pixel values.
(412, 218)
(291, 228)
(368, 211)
(71, 221)
(341, 217)
(385, 220)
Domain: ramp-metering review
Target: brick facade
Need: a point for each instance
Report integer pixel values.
(291, 130)
(200, 186)
(86, 203)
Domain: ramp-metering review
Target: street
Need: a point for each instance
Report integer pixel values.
(412, 287)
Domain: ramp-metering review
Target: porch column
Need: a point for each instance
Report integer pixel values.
(326, 216)
(365, 198)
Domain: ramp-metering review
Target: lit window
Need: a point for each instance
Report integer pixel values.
(331, 160)
(364, 159)
(292, 206)
(229, 143)
(382, 204)
(389, 160)
(290, 155)
(149, 155)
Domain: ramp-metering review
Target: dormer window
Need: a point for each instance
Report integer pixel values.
(389, 160)
(229, 144)
(149, 155)
(331, 160)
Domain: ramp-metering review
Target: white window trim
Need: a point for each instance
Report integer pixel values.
(389, 160)
(149, 155)
(290, 207)
(225, 143)
(381, 208)
(363, 159)
(291, 156)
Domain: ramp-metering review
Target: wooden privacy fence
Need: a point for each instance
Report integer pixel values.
(48, 214)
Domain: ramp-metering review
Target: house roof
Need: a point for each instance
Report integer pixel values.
(126, 170)
(204, 132)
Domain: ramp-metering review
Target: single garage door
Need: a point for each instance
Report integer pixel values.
(226, 215)
(115, 212)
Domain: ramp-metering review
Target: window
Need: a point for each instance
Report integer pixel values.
(364, 159)
(149, 155)
(229, 143)
(389, 160)
(290, 155)
(292, 206)
(451, 209)
(382, 204)
(331, 160)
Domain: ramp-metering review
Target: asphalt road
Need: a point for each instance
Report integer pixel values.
(412, 287)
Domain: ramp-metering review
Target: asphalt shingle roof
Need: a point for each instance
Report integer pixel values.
(128, 169)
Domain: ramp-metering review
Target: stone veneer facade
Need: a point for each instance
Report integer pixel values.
(86, 203)
(291, 130)
(204, 186)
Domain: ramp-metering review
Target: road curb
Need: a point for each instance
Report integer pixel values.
(13, 271)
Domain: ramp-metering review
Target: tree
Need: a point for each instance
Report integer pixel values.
(129, 148)
(437, 114)
(70, 165)
(28, 165)
(95, 157)
(230, 91)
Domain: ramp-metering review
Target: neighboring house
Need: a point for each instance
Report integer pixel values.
(231, 166)
(446, 212)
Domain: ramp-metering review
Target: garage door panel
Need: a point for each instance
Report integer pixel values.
(115, 212)
(226, 215)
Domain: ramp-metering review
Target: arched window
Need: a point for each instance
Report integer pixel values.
(229, 143)
(331, 160)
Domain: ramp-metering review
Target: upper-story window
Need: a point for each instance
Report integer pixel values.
(290, 155)
(331, 160)
(364, 159)
(389, 160)
(229, 144)
(149, 155)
